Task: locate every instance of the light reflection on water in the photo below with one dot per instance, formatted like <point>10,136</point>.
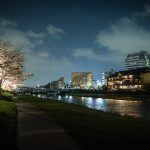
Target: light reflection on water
<point>59,97</point>
<point>123,107</point>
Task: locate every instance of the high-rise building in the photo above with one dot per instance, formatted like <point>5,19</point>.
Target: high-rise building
<point>137,60</point>
<point>103,79</point>
<point>82,80</point>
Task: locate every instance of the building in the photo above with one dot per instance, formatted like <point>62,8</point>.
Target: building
<point>61,83</point>
<point>137,60</point>
<point>103,78</point>
<point>105,75</point>
<point>82,80</point>
<point>97,84</point>
<point>133,80</point>
<point>58,84</point>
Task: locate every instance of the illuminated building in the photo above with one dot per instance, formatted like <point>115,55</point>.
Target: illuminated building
<point>103,79</point>
<point>133,80</point>
<point>83,80</point>
<point>61,83</point>
<point>58,84</point>
<point>137,60</point>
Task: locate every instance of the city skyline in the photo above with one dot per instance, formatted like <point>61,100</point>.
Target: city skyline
<point>59,37</point>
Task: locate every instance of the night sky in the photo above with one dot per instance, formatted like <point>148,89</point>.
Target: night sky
<point>62,36</point>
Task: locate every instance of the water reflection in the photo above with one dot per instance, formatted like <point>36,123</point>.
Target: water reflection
<point>100,104</point>
<point>59,97</point>
<point>70,98</point>
<point>89,102</point>
<point>123,107</point>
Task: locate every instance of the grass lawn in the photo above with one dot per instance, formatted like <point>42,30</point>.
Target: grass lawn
<point>7,125</point>
<point>95,130</point>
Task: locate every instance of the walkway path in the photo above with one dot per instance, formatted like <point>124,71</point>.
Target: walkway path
<point>36,131</point>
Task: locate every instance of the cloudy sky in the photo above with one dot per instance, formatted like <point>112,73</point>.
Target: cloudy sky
<point>61,36</point>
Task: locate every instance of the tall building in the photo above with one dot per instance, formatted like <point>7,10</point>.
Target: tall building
<point>83,80</point>
<point>137,60</point>
<point>103,79</point>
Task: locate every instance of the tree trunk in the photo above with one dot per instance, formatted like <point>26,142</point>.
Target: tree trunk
<point>1,83</point>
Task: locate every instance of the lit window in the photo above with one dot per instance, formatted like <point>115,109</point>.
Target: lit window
<point>130,76</point>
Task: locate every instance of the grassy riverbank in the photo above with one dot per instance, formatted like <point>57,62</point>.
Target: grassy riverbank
<point>7,125</point>
<point>94,129</point>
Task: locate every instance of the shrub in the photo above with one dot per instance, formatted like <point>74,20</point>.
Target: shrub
<point>5,95</point>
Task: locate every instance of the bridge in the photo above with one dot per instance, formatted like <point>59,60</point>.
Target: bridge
<point>36,91</point>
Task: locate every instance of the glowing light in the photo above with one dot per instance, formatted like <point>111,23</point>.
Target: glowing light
<point>59,97</point>
<point>83,98</point>
<point>66,96</point>
<point>70,97</point>
<point>39,95</point>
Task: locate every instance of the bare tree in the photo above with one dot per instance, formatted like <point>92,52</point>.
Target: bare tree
<point>11,64</point>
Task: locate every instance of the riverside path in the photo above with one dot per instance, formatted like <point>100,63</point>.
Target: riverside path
<point>37,131</point>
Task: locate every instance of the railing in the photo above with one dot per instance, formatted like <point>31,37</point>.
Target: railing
<point>40,91</point>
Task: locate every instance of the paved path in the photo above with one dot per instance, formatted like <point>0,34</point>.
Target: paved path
<point>36,131</point>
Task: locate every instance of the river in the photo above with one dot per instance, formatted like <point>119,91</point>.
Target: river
<point>123,107</point>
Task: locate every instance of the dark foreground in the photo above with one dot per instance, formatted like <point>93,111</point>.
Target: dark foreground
<point>8,125</point>
<point>96,130</point>
<point>88,129</point>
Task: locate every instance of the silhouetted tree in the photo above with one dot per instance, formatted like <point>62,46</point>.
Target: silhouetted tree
<point>104,87</point>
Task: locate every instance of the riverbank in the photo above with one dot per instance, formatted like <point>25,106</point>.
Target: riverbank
<point>94,129</point>
<point>113,96</point>
<point>7,125</point>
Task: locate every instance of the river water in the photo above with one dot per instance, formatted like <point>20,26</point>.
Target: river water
<point>123,107</point>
